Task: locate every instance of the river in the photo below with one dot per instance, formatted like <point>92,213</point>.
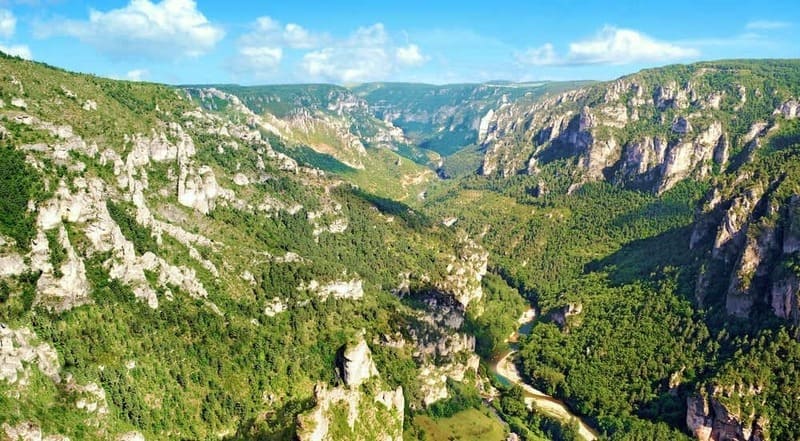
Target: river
<point>506,371</point>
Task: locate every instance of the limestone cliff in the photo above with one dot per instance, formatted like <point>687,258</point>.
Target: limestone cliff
<point>648,130</point>
<point>710,420</point>
<point>363,408</point>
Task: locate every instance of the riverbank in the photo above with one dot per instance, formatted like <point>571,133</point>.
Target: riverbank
<point>506,369</point>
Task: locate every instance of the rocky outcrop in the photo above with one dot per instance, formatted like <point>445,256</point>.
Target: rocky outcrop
<point>709,420</point>
<point>465,272</point>
<point>485,123</point>
<point>339,289</point>
<point>784,297</point>
<point>560,315</point>
<point>355,363</point>
<point>28,431</point>
<point>63,288</point>
<point>19,349</point>
<point>636,131</point>
<point>754,262</point>
<point>790,109</point>
<point>736,218</point>
<point>368,415</point>
<point>275,307</point>
<point>433,378</point>
<point>198,188</point>
<point>687,158</point>
<point>681,125</point>
<point>88,397</point>
<point>641,158</point>
<point>440,349</point>
<point>371,411</point>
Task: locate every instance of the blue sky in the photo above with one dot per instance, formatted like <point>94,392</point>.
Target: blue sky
<point>295,41</point>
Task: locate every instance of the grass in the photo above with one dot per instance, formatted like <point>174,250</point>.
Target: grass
<point>470,424</point>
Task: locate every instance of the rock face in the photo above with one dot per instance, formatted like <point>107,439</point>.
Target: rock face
<point>753,262</point>
<point>561,315</point>
<point>339,289</point>
<point>709,420</point>
<point>28,431</point>
<point>356,365</point>
<point>18,349</point>
<point>465,272</point>
<point>784,298</point>
<point>755,240</point>
<point>441,349</point>
<point>370,411</point>
<point>687,158</point>
<point>69,290</point>
<point>12,264</point>
<point>433,378</point>
<point>367,416</point>
<point>637,131</point>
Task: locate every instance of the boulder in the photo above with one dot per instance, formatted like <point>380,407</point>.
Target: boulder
<point>356,364</point>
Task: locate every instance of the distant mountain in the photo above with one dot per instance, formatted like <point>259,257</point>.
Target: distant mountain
<point>447,118</point>
<point>331,128</point>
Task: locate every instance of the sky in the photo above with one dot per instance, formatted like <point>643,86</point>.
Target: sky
<point>348,42</point>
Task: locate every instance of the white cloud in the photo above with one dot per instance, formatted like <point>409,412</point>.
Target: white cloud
<point>610,46</point>
<point>8,23</point>
<point>368,54</point>
<point>298,38</point>
<point>347,64</point>
<point>540,56</point>
<point>267,31</point>
<point>766,25</point>
<point>410,55</point>
<point>165,30</point>
<point>17,50</point>
<point>137,74</point>
<point>260,59</point>
<point>260,51</point>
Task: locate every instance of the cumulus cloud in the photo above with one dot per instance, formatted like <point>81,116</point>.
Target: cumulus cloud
<point>368,54</point>
<point>260,58</point>
<point>410,55</point>
<point>164,30</point>
<point>541,56</point>
<point>17,50</point>
<point>260,51</point>
<point>137,74</point>
<point>766,25</point>
<point>267,31</point>
<point>609,46</point>
<point>8,23</point>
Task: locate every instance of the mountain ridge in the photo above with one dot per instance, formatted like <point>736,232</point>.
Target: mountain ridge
<point>313,299</point>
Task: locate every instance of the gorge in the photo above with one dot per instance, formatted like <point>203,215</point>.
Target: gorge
<point>323,262</point>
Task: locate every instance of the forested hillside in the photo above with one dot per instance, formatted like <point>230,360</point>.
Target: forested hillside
<point>318,262</point>
<point>168,272</point>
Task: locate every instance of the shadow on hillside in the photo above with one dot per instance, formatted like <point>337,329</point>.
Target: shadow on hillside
<point>273,425</point>
<point>647,259</point>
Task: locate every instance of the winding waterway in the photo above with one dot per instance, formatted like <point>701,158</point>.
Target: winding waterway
<point>506,371</point>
